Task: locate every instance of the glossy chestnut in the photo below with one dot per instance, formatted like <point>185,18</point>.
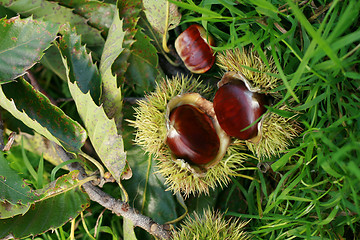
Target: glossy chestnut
<point>194,139</point>
<point>193,47</point>
<point>194,135</point>
<point>237,106</point>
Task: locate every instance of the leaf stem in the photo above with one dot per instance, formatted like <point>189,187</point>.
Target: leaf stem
<point>85,227</point>
<point>72,233</point>
<point>164,42</point>
<point>95,162</point>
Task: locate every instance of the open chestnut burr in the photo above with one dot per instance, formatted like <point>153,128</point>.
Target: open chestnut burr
<point>194,48</point>
<point>194,133</point>
<point>238,107</point>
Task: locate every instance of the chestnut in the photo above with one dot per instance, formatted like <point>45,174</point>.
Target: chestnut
<point>194,134</point>
<point>193,47</point>
<point>194,138</point>
<point>237,106</point>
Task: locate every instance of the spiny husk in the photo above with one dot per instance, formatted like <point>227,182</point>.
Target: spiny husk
<point>150,113</point>
<point>276,131</point>
<point>150,124</point>
<point>210,226</point>
<point>180,178</point>
<point>277,134</point>
<point>249,63</point>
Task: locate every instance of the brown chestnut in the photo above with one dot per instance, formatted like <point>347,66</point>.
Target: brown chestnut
<point>193,47</point>
<point>194,134</point>
<point>194,139</point>
<point>237,106</point>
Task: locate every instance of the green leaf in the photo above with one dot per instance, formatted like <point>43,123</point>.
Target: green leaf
<point>281,162</point>
<point>61,185</point>
<point>46,215</point>
<point>330,170</point>
<point>51,11</point>
<point>272,13</point>
<point>128,227</point>
<point>196,8</point>
<point>283,113</point>
<point>99,14</point>
<point>15,195</point>
<point>101,130</point>
<point>35,110</point>
<point>129,11</point>
<point>22,42</point>
<point>155,37</point>
<point>52,60</point>
<point>4,12</point>
<point>111,96</point>
<point>82,68</point>
<point>8,210</point>
<point>156,13</point>
<point>147,190</point>
<point>265,5</point>
<point>143,69</point>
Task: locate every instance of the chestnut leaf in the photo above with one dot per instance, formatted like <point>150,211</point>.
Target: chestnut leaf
<point>60,203</point>
<point>102,131</point>
<point>15,195</point>
<point>35,110</point>
<point>82,68</point>
<point>22,44</point>
<point>137,65</point>
<point>111,93</point>
<point>52,61</point>
<point>53,12</point>
<point>143,69</point>
<point>129,11</point>
<point>156,12</point>
<point>98,13</point>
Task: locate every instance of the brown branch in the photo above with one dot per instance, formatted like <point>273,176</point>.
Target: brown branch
<point>117,206</point>
<point>320,11</point>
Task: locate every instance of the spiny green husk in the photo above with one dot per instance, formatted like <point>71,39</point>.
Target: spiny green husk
<point>210,226</point>
<point>181,179</point>
<point>249,63</point>
<point>277,134</point>
<point>150,113</point>
<point>150,124</point>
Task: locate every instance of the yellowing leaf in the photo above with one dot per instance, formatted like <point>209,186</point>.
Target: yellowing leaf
<point>157,11</point>
<point>101,130</point>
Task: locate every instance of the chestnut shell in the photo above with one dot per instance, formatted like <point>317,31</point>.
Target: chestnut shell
<point>194,49</point>
<point>237,107</point>
<point>193,132</point>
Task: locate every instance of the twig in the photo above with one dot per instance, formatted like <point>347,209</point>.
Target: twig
<point>321,11</point>
<point>280,28</point>
<point>285,8</point>
<point>117,206</point>
<point>10,142</point>
<point>98,221</point>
